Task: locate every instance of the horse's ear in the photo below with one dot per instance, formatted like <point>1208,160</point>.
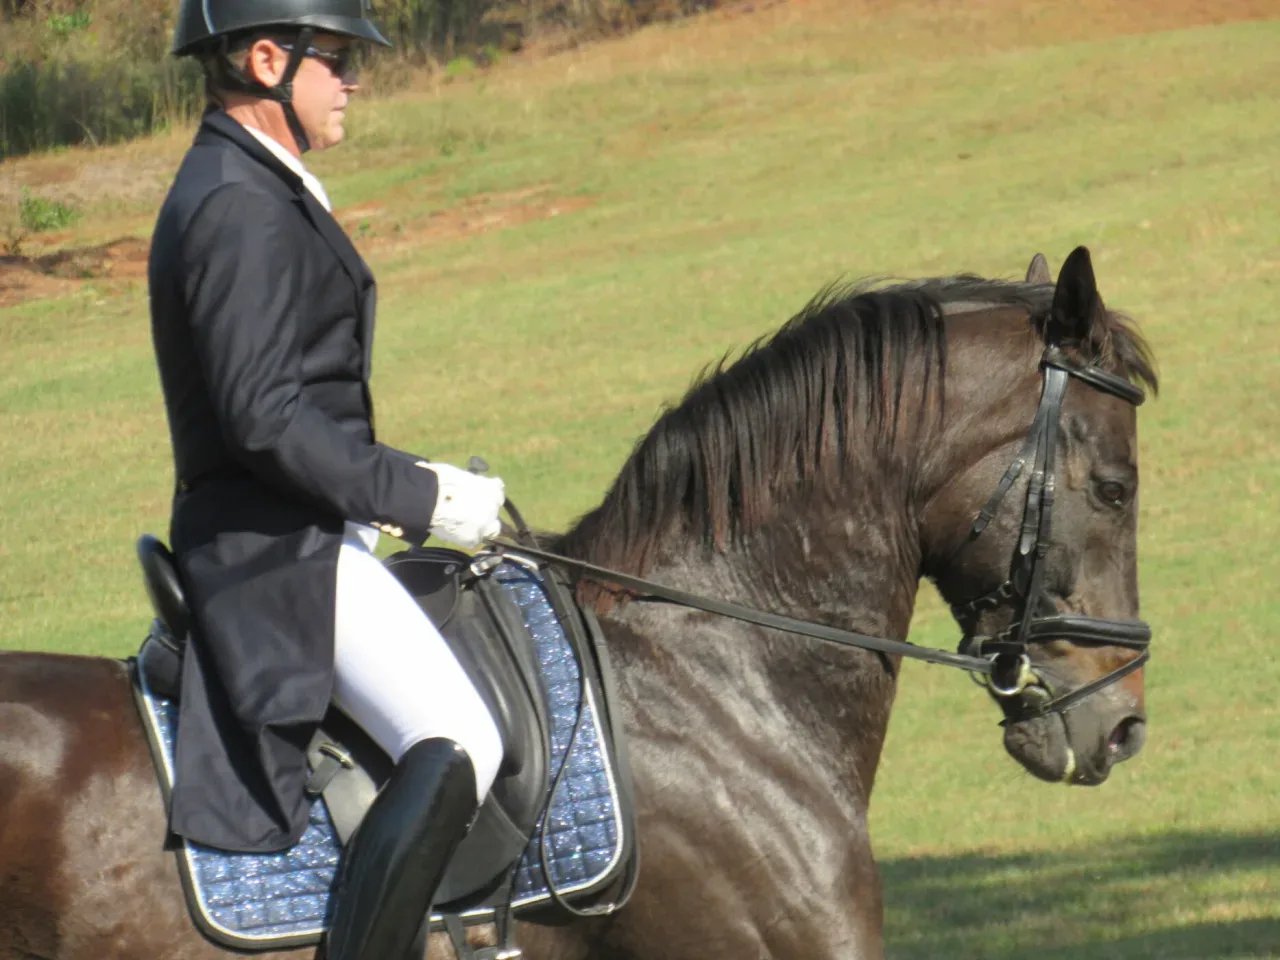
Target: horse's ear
<point>1076,303</point>
<point>1038,272</point>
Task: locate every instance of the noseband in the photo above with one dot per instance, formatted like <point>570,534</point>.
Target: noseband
<point>1009,650</point>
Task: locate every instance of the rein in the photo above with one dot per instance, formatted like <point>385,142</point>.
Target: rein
<point>650,591</point>
<point>1003,660</point>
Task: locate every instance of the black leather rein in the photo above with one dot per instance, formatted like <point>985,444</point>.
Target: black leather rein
<point>648,590</point>
<point>1003,660</point>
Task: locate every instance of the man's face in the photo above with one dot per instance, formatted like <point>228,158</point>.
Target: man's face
<point>320,94</point>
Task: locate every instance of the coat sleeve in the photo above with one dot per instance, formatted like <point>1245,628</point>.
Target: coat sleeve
<point>244,289</point>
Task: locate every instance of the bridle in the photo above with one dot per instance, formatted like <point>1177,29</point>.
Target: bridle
<point>1012,674</point>
<point>1002,660</point>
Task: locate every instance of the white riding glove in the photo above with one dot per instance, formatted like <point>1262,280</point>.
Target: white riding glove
<point>467,505</point>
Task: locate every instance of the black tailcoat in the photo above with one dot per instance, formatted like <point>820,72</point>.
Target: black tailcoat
<point>262,318</point>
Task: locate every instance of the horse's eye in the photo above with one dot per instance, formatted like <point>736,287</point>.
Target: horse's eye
<point>1113,492</point>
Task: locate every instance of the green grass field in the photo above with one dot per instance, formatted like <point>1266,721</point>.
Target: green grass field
<point>561,243</point>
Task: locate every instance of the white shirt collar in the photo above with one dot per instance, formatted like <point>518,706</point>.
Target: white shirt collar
<point>294,164</point>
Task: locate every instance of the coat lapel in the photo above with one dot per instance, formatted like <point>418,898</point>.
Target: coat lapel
<point>352,263</point>
<point>333,235</point>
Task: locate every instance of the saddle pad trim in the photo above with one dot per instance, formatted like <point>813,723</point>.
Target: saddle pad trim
<point>143,697</point>
<point>605,876</point>
<point>197,903</point>
<point>587,708</point>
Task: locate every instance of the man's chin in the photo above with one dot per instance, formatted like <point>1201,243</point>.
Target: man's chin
<point>333,135</point>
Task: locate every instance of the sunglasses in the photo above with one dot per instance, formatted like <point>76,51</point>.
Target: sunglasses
<point>339,62</point>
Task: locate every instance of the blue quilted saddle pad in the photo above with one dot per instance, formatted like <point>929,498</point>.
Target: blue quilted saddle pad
<point>263,901</point>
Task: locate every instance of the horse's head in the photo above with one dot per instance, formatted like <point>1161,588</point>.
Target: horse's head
<point>1034,537</point>
<point>837,460</point>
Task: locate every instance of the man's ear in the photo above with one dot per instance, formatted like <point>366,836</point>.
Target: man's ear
<point>265,63</point>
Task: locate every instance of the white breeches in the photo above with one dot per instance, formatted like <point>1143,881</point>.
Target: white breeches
<point>394,675</point>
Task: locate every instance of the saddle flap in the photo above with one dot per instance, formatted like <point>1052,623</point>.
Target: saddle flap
<point>486,633</point>
<point>347,769</point>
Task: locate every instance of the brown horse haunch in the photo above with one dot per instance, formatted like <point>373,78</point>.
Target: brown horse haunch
<point>821,475</point>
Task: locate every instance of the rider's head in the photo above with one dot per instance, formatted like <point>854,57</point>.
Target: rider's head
<point>292,52</point>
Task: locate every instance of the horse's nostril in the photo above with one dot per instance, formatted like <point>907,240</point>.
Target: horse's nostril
<point>1126,739</point>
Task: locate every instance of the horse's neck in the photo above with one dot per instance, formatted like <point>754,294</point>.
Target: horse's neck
<point>847,557</point>
<point>849,564</point>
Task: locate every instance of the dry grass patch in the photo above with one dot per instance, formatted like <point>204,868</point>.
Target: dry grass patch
<point>119,188</point>
<point>379,229</point>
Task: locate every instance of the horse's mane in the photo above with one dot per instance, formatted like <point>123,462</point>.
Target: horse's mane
<point>787,410</point>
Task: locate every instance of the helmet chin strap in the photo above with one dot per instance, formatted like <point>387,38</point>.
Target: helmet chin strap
<point>282,92</point>
<point>295,126</point>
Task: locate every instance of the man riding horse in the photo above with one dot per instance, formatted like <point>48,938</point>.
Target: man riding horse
<point>262,318</point>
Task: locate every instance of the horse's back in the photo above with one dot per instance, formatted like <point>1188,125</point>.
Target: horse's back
<point>83,869</point>
<point>49,703</point>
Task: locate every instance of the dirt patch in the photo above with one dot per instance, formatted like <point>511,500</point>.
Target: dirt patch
<point>20,281</point>
<point>376,230</point>
<point>60,271</point>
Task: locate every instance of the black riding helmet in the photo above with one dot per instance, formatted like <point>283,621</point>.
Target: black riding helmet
<point>201,23</point>
<point>206,28</point>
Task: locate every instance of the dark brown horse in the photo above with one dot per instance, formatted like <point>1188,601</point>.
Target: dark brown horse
<point>821,475</point>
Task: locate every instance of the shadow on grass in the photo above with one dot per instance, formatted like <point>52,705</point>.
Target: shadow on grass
<point>1180,896</point>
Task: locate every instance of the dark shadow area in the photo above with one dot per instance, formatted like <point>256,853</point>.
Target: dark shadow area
<point>1088,902</point>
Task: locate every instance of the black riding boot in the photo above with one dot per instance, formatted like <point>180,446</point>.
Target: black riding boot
<point>398,855</point>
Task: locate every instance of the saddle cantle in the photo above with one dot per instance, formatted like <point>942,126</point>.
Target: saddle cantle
<point>498,618</point>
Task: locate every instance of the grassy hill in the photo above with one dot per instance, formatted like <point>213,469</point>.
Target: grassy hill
<point>563,241</point>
